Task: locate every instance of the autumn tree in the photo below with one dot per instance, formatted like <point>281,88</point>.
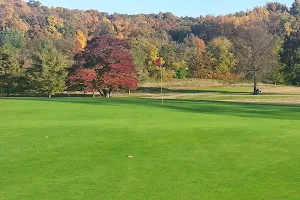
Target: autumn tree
<point>49,70</point>
<point>54,26</point>
<point>10,18</point>
<point>207,29</point>
<point>256,51</point>
<point>83,79</point>
<point>145,53</point>
<point>66,46</point>
<point>190,46</point>
<point>112,61</point>
<point>221,55</point>
<point>82,39</point>
<point>194,54</point>
<point>277,7</point>
<point>174,64</point>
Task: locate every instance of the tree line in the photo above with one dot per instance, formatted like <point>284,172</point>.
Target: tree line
<point>50,50</point>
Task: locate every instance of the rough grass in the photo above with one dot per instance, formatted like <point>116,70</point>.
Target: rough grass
<point>75,148</point>
<point>187,83</point>
<point>218,85</point>
<point>219,91</point>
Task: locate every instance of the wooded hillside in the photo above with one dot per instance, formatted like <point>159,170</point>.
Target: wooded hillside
<point>48,50</point>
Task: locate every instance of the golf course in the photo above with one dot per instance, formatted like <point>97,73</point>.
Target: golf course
<point>149,100</point>
<point>197,148</point>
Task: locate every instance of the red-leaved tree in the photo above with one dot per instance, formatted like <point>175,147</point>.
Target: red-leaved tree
<point>104,65</point>
<point>83,80</point>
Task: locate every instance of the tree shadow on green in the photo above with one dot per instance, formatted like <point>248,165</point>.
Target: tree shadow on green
<point>156,90</point>
<point>271,111</point>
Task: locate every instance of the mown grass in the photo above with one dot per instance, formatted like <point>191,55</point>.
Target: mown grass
<point>240,97</point>
<point>233,93</point>
<point>75,148</point>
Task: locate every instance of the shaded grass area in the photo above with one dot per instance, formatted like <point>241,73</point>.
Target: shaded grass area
<point>277,111</point>
<point>188,91</point>
<point>232,90</point>
<point>234,94</point>
<point>187,149</point>
<point>239,97</point>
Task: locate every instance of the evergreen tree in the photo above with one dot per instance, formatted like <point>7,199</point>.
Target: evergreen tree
<point>290,58</point>
<point>10,70</point>
<point>49,70</point>
<point>13,38</point>
<point>295,9</point>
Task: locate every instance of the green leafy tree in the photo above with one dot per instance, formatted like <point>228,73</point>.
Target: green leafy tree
<point>221,55</point>
<point>49,69</point>
<point>145,52</point>
<point>181,69</point>
<point>290,58</point>
<point>12,38</point>
<point>142,51</point>
<point>173,61</point>
<point>10,70</point>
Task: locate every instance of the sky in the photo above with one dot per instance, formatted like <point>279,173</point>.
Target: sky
<point>191,8</point>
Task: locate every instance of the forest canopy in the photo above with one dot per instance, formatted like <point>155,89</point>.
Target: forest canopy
<point>46,50</point>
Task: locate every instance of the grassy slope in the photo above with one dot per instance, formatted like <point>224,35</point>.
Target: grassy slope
<point>185,150</point>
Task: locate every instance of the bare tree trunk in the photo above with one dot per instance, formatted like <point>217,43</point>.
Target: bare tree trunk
<point>109,92</point>
<point>2,92</point>
<point>255,84</point>
<point>101,93</point>
<point>94,95</point>
<point>106,92</point>
<point>49,95</point>
<point>129,91</point>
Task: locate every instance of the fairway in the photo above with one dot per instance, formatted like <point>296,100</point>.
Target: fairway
<point>75,148</point>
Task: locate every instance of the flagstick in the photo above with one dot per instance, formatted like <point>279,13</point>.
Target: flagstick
<point>161,86</point>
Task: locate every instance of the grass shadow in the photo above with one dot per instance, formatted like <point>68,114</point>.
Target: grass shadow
<point>271,111</point>
<point>184,91</point>
<point>157,90</point>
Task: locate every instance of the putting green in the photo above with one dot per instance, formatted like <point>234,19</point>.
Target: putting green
<point>75,148</point>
